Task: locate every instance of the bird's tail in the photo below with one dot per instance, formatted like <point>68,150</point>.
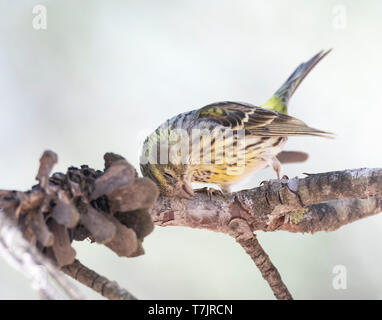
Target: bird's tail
<point>279,101</point>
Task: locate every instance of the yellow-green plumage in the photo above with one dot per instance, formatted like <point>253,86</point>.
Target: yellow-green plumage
<point>276,104</point>
<point>279,101</point>
<point>254,136</point>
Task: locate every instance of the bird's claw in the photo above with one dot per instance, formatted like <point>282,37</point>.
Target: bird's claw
<point>264,183</point>
<point>283,180</point>
<point>210,191</point>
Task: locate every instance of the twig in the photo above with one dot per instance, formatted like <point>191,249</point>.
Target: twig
<point>102,285</point>
<point>243,235</point>
<point>25,257</point>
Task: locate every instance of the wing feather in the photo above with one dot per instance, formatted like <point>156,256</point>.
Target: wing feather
<point>258,121</point>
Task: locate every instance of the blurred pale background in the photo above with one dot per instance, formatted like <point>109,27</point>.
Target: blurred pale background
<point>105,73</point>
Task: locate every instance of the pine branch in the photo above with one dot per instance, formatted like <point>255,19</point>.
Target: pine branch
<point>109,289</point>
<point>247,239</point>
<point>25,258</point>
<point>110,207</point>
<point>319,202</point>
<point>115,208</point>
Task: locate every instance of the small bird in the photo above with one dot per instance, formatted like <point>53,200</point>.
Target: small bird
<point>223,142</point>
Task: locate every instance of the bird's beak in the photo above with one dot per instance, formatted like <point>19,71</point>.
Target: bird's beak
<point>186,191</point>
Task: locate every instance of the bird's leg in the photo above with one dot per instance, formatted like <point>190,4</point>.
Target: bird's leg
<point>276,165</point>
<point>225,189</point>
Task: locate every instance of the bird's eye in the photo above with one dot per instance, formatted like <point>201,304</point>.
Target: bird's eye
<point>168,175</point>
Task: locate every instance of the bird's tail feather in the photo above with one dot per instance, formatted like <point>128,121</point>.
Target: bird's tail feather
<point>279,101</point>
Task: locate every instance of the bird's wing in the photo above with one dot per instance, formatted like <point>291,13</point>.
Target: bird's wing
<point>255,120</point>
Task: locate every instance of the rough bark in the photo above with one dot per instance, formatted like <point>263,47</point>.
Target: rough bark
<point>25,257</point>
<point>319,202</point>
<point>109,207</point>
<point>116,208</point>
<point>109,289</point>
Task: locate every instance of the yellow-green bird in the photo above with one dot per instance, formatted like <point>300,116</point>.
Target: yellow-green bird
<point>224,142</point>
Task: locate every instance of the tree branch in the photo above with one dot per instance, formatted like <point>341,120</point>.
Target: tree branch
<point>24,257</point>
<point>115,208</point>
<point>245,237</point>
<point>105,287</point>
<point>37,227</point>
<point>319,202</point>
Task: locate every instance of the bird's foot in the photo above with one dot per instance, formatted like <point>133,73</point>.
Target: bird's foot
<point>268,182</point>
<point>283,180</point>
<point>285,177</point>
<point>309,174</point>
<point>210,191</point>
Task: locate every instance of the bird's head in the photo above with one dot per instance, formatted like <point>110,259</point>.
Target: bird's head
<point>164,163</point>
<point>171,179</point>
